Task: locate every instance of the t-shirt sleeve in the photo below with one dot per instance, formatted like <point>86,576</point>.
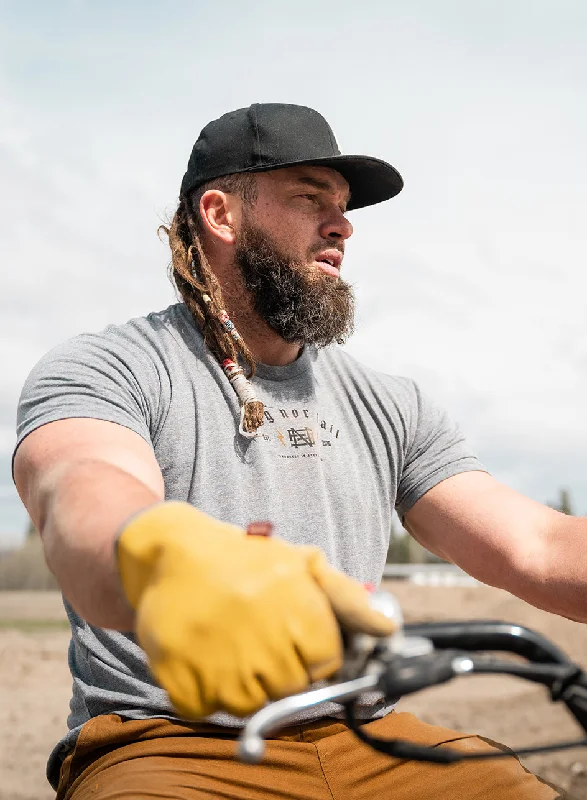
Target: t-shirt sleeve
<point>435,449</point>
<point>96,377</point>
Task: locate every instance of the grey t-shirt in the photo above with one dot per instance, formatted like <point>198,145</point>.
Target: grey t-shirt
<point>341,446</point>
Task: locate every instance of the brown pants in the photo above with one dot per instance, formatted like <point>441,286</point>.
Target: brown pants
<point>159,760</point>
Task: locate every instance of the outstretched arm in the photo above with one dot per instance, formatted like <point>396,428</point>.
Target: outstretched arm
<point>506,540</point>
<point>226,620</point>
<point>81,480</point>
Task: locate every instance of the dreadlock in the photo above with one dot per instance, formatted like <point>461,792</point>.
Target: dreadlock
<point>201,292</point>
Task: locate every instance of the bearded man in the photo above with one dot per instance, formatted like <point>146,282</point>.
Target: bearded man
<point>145,451</point>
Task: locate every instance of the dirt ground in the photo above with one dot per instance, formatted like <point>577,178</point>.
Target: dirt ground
<point>35,685</point>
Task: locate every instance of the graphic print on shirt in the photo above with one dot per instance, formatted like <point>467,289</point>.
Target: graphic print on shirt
<point>298,432</point>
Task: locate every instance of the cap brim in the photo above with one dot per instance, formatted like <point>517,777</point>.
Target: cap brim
<point>370,179</point>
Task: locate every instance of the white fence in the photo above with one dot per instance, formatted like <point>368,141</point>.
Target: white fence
<point>429,574</point>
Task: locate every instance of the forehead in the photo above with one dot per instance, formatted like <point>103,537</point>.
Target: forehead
<point>320,177</point>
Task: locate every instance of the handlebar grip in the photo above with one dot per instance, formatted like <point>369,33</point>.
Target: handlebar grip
<point>407,675</point>
<point>490,635</point>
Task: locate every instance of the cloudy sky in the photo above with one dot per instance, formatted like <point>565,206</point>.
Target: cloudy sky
<point>472,280</point>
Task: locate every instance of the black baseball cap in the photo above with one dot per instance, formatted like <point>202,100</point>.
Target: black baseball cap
<point>268,136</point>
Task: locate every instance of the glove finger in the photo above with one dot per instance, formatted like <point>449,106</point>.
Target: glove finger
<point>181,683</point>
<point>349,599</point>
<point>324,669</point>
<point>314,631</point>
<point>283,673</point>
<point>241,694</point>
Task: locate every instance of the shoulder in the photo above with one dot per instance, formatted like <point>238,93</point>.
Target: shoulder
<point>139,341</point>
<point>394,399</point>
<point>133,356</point>
<point>120,374</point>
<point>360,377</point>
<point>146,332</point>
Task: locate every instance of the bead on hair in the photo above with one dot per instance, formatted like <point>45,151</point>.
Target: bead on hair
<point>229,325</point>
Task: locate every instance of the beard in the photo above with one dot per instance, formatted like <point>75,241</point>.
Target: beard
<point>299,303</point>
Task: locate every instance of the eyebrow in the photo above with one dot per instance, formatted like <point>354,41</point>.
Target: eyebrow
<point>322,185</point>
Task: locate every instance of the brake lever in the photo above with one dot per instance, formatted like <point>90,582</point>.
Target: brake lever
<point>360,648</point>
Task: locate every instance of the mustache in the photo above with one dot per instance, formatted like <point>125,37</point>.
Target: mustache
<point>327,246</point>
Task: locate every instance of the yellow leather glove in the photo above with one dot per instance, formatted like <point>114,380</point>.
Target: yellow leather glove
<point>229,621</point>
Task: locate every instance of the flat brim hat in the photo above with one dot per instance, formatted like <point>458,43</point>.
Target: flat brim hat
<point>268,136</point>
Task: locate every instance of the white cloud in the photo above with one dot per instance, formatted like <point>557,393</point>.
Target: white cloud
<point>472,280</point>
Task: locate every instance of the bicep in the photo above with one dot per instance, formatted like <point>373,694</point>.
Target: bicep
<point>58,446</point>
<point>491,531</point>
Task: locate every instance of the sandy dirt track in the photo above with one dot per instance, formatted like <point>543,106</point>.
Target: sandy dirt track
<point>35,686</point>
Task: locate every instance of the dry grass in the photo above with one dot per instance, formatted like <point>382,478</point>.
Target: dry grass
<point>25,569</point>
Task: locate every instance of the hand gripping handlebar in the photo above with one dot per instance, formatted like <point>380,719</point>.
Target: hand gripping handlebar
<point>422,655</point>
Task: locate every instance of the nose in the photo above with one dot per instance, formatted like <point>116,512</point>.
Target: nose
<point>336,227</point>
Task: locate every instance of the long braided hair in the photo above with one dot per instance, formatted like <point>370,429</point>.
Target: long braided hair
<point>200,290</point>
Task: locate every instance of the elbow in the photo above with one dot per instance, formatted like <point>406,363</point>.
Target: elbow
<point>37,489</point>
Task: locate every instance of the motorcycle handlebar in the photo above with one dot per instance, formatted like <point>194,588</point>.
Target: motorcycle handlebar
<point>491,635</point>
<point>422,655</point>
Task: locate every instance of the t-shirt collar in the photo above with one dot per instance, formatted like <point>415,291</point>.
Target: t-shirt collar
<point>302,364</point>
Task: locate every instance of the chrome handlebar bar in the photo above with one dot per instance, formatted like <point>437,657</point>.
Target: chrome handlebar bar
<point>277,714</point>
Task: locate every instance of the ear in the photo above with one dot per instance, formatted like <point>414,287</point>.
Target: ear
<point>218,214</point>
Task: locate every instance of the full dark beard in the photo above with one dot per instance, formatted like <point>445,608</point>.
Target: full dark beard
<point>301,304</point>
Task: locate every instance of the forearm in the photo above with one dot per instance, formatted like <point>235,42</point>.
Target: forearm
<point>559,581</point>
<point>549,570</point>
<point>81,512</point>
<point>506,540</point>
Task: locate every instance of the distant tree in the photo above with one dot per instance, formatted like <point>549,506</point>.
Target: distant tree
<point>418,554</point>
<point>564,502</point>
<point>404,549</point>
<point>398,551</point>
<point>31,531</point>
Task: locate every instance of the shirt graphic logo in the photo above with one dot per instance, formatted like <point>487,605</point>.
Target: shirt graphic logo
<point>301,437</point>
<point>315,432</point>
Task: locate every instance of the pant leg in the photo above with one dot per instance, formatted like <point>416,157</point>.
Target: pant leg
<point>160,760</point>
<point>354,770</point>
<point>156,759</point>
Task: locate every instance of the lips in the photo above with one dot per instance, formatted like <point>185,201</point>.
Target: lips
<point>329,261</point>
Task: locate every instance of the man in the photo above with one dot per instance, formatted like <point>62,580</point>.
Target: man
<point>145,451</point>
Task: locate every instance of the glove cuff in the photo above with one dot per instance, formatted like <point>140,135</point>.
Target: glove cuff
<point>141,542</point>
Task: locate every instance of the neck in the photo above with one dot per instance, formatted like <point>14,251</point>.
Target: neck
<point>266,346</point>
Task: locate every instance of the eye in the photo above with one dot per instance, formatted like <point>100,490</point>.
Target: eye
<point>312,197</point>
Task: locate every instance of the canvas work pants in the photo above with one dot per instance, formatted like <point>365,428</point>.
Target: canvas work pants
<point>157,759</point>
